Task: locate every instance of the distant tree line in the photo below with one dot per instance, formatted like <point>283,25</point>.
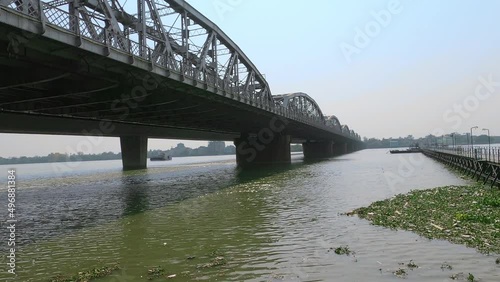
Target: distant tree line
<point>214,148</point>
<point>58,157</point>
<point>430,140</point>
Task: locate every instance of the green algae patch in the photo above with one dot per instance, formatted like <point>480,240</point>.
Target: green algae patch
<point>468,215</point>
<point>89,275</point>
<point>343,250</point>
<point>155,272</point>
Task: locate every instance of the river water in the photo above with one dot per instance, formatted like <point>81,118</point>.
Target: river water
<point>272,224</point>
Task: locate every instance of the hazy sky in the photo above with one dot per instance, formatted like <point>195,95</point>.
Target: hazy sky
<point>385,68</point>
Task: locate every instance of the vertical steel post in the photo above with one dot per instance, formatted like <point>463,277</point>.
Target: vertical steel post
<point>141,28</point>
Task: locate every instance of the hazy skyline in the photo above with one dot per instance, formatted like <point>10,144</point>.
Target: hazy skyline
<point>413,68</point>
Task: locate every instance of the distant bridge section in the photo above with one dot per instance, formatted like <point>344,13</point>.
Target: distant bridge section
<point>162,70</point>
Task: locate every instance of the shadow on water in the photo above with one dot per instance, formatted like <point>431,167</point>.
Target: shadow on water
<point>140,194</point>
<point>253,173</point>
<point>135,198</point>
<point>52,208</point>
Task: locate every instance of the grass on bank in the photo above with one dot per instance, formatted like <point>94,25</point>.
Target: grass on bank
<point>468,215</point>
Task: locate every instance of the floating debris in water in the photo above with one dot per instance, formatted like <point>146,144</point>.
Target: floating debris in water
<point>89,275</point>
<point>446,266</point>
<point>155,272</point>
<point>461,276</point>
<point>458,276</point>
<point>401,273</point>
<point>343,250</point>
<point>411,265</point>
<point>217,261</point>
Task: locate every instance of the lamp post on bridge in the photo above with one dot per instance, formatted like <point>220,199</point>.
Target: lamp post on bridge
<point>472,139</point>
<point>452,135</point>
<point>489,143</point>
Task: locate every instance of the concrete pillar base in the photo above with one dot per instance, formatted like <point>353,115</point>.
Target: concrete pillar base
<point>318,150</point>
<point>251,151</point>
<point>340,149</point>
<point>134,152</point>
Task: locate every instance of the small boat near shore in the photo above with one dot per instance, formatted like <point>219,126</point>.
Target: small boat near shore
<point>161,157</point>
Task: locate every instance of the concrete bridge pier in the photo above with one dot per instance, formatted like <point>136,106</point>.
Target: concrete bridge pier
<point>351,147</point>
<point>134,152</point>
<point>340,148</point>
<point>318,150</point>
<point>253,151</point>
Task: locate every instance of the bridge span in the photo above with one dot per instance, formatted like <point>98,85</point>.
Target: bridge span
<point>155,69</point>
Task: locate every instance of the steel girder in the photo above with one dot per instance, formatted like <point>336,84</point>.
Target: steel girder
<point>334,122</point>
<point>301,102</point>
<point>172,35</point>
<point>304,104</point>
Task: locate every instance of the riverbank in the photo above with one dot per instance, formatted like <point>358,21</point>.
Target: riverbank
<point>468,215</point>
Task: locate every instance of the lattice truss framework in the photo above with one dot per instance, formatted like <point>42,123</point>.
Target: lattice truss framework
<point>172,35</point>
<point>162,31</point>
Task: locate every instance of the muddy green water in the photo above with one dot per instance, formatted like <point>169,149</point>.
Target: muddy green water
<point>274,224</point>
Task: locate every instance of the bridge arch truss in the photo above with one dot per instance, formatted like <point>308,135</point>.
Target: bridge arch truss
<point>174,39</point>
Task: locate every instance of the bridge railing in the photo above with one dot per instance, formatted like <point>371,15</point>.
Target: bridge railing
<point>97,31</point>
<point>490,154</point>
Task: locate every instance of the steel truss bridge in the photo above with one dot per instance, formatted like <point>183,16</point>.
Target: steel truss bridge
<point>157,68</point>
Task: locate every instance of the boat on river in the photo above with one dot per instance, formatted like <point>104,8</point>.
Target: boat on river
<point>161,157</point>
<point>407,151</point>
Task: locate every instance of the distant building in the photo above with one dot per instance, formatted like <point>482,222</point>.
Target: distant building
<point>216,147</point>
<point>394,143</point>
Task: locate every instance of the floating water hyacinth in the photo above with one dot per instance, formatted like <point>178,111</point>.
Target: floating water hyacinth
<point>468,215</point>
<point>89,275</point>
<point>155,272</point>
<point>343,250</point>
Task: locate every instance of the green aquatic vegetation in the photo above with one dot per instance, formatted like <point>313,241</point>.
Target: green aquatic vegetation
<point>400,273</point>
<point>216,253</point>
<point>461,214</point>
<point>85,276</point>
<point>155,272</point>
<point>343,250</point>
<point>458,276</point>
<point>492,202</point>
<point>411,265</point>
<point>446,266</point>
<point>471,278</point>
<point>217,261</point>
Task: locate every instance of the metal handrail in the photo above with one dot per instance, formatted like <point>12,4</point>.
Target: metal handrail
<point>490,154</point>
